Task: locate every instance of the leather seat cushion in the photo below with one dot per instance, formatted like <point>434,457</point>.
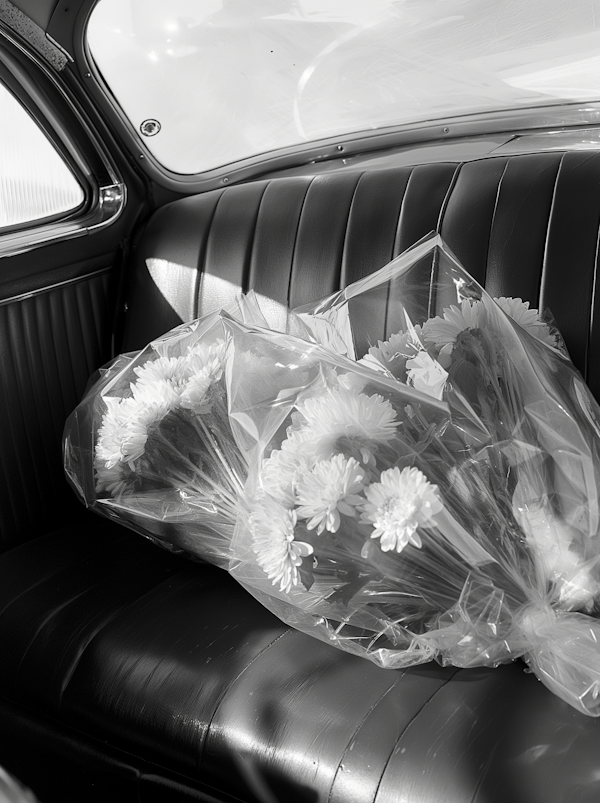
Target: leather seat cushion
<point>184,678</point>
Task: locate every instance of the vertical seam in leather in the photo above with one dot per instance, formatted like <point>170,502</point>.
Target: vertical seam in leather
<point>234,680</point>
<point>298,223</point>
<point>498,188</point>
<point>446,200</point>
<point>345,238</point>
<point>397,235</point>
<point>408,725</point>
<point>250,250</point>
<point>588,348</point>
<point>360,725</point>
<point>202,258</point>
<point>543,277</point>
<point>250,245</point>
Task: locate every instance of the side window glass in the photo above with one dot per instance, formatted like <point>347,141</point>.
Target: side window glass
<point>35,182</point>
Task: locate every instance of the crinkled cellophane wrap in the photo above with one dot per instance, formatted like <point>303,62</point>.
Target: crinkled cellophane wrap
<point>415,477</point>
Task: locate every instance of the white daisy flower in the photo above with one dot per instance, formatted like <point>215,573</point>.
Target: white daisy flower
<point>443,330</point>
<point>340,420</point>
<point>528,319</point>
<point>332,487</point>
<point>397,505</point>
<point>278,554</point>
<point>427,375</point>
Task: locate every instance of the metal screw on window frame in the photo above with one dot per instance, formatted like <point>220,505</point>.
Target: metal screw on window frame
<point>150,127</point>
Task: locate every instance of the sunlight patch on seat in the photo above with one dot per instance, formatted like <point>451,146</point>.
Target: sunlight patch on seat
<point>176,283</point>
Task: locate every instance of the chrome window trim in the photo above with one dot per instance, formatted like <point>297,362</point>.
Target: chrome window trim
<point>107,200</point>
<point>583,139</point>
<point>111,202</point>
<point>48,289</point>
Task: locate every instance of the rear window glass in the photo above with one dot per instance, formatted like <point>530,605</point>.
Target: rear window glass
<point>209,82</point>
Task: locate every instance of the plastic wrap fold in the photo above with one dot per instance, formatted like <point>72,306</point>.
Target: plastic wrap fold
<point>413,477</point>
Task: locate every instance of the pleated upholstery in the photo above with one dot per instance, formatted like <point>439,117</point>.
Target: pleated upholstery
<point>520,225</point>
<point>132,669</point>
<point>293,240</point>
<point>50,343</point>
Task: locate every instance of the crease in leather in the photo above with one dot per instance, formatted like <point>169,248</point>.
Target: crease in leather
<point>223,694</point>
<point>413,719</point>
<point>351,741</point>
<point>296,233</point>
<point>197,291</point>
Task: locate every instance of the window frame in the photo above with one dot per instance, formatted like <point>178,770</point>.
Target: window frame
<point>335,150</point>
<point>46,101</point>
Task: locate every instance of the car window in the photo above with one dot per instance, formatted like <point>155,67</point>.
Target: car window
<point>206,83</point>
<point>35,182</point>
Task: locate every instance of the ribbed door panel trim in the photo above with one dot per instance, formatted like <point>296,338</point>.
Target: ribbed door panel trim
<point>50,343</point>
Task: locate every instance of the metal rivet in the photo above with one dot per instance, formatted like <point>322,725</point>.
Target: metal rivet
<point>340,147</point>
<point>446,130</point>
<point>225,180</point>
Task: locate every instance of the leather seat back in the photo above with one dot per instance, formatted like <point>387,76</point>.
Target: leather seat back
<point>524,226</point>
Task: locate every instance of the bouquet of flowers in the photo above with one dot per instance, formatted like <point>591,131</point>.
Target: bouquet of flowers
<point>150,443</point>
<point>445,336</point>
<point>361,494</point>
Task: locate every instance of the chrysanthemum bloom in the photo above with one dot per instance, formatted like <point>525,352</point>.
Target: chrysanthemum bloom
<point>210,357</point>
<point>528,319</point>
<point>110,479</point>
<point>166,373</point>
<point>278,554</point>
<point>342,421</point>
<point>400,344</point>
<point>195,393</point>
<point>280,472</point>
<point>397,505</point>
<point>119,434</point>
<point>124,431</point>
<point>332,487</point>
<point>441,331</point>
<point>392,354</point>
<point>427,375</point>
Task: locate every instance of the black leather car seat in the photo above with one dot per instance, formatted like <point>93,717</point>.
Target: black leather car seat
<point>133,673</point>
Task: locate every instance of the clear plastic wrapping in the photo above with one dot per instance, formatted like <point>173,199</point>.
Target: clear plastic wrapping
<point>422,483</point>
